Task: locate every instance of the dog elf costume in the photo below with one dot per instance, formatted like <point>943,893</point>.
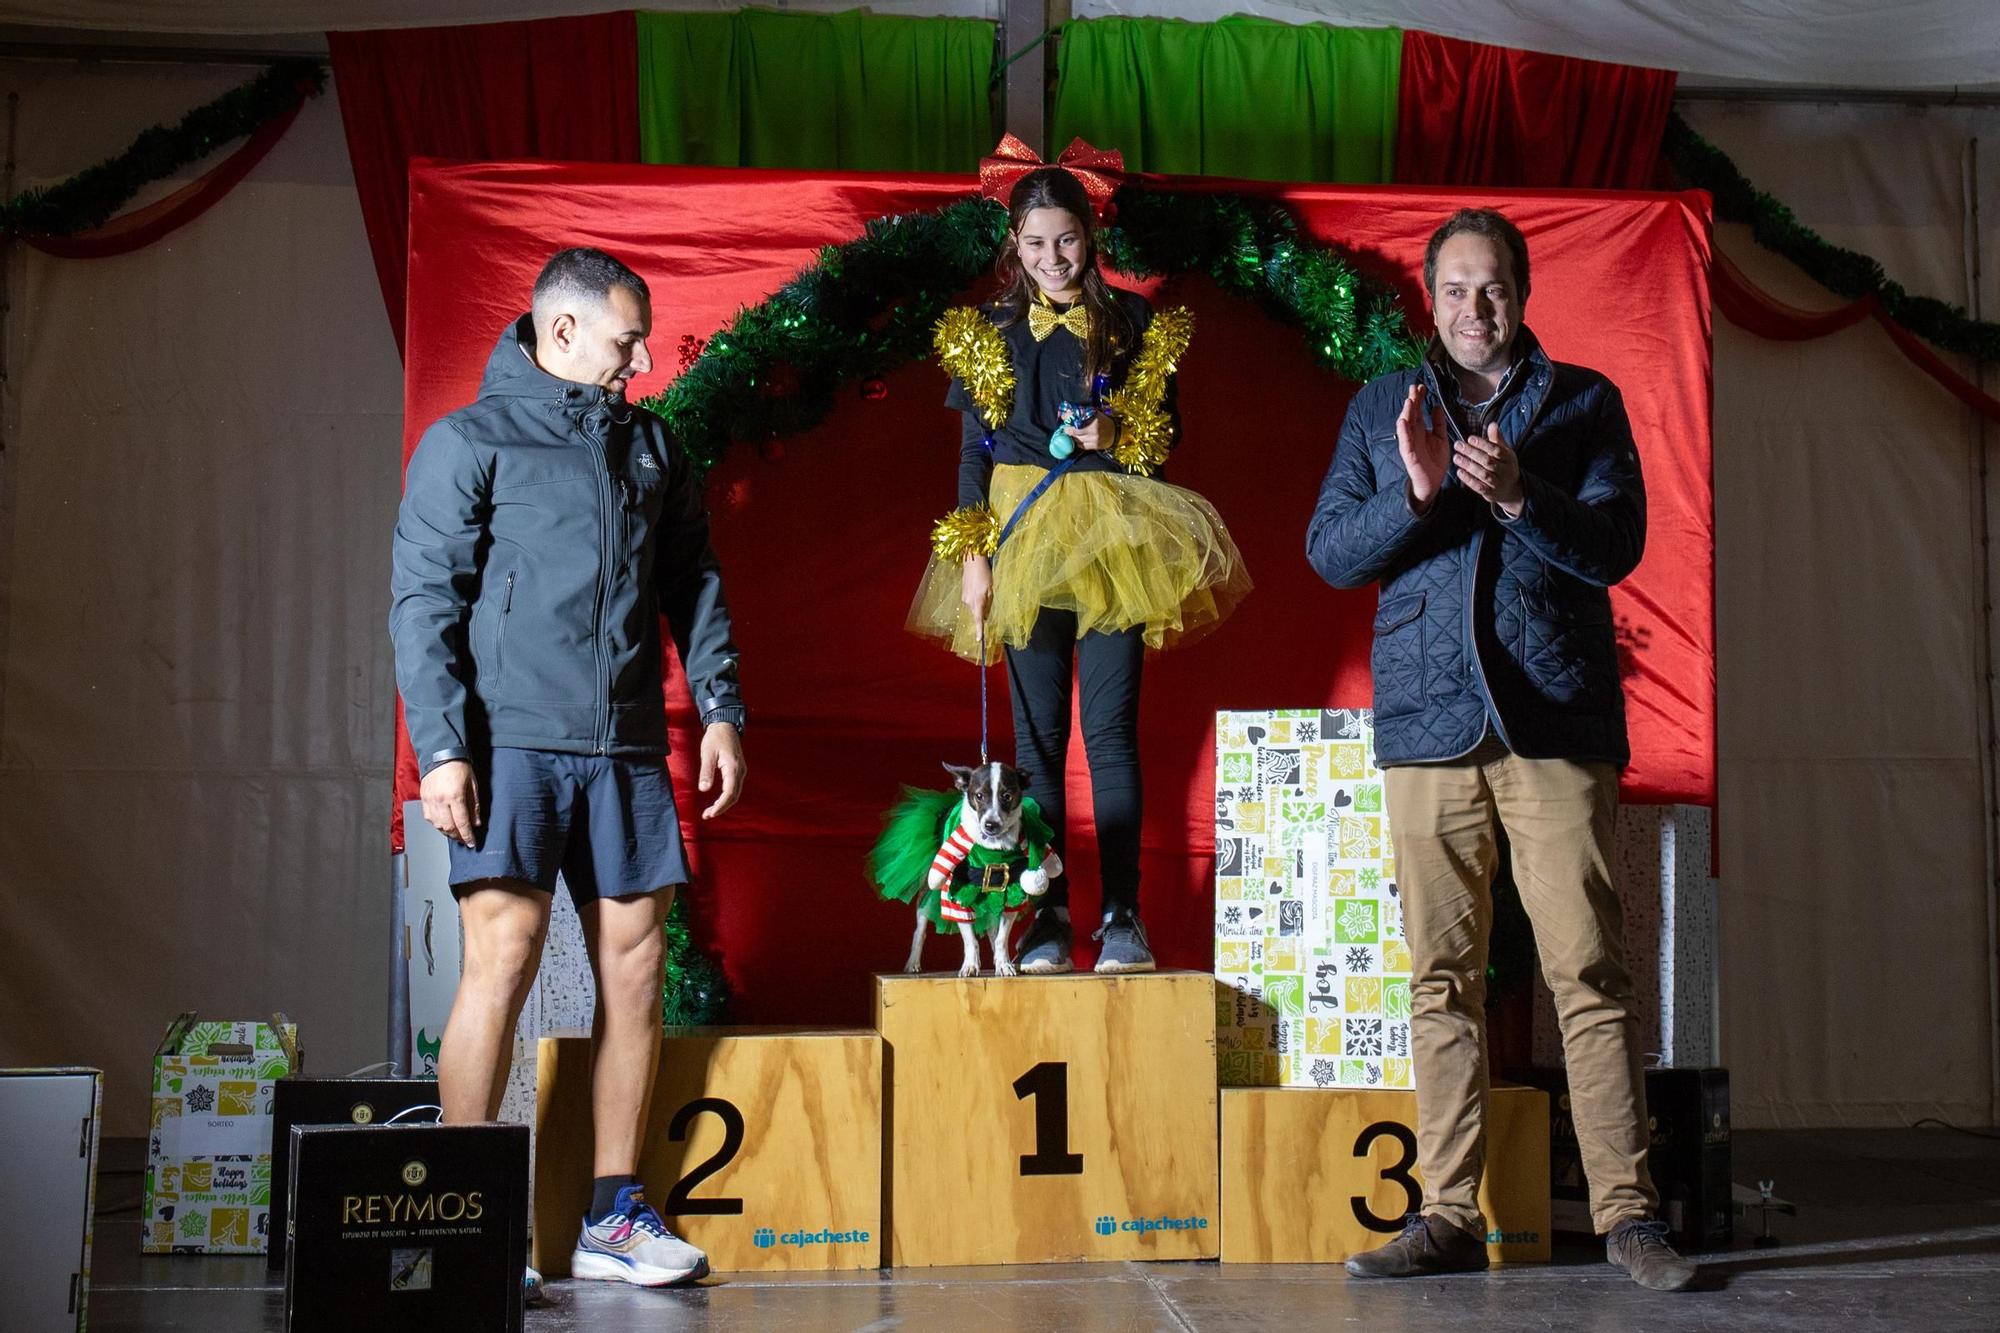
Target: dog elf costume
<point>1095,559</point>
<point>924,856</point>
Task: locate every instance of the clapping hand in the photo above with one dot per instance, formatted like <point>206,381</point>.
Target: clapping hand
<point>1491,470</point>
<point>1425,448</point>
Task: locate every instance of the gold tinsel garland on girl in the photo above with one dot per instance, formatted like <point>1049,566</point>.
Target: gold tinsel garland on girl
<point>1145,430</point>
<point>975,353</point>
<point>973,530</point>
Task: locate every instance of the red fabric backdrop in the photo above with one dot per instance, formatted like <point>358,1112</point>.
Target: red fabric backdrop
<point>823,537</point>
<point>1473,114</point>
<point>558,88</point>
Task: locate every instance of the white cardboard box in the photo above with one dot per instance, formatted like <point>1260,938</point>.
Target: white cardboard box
<point>49,1155</point>
<point>1661,870</point>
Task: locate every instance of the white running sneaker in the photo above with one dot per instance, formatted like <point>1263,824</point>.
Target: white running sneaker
<point>631,1244</point>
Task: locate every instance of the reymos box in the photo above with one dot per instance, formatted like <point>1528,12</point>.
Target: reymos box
<point>1688,1111</point>
<point>332,1101</point>
<point>407,1227</point>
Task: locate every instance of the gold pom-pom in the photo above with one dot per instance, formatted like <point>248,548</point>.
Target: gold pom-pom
<point>1145,382</point>
<point>976,355</point>
<point>1166,340</point>
<point>1145,431</point>
<point>973,530</point>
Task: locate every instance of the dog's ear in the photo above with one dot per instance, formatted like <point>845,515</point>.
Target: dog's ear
<point>1024,777</point>
<point>961,776</point>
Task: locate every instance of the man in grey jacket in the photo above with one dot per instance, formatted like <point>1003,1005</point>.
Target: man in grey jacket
<point>544,531</point>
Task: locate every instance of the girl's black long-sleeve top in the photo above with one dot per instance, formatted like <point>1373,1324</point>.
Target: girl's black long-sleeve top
<point>1046,375</point>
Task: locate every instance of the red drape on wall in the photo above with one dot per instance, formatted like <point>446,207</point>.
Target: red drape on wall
<point>142,226</point>
<point>823,537</point>
<point>1473,114</point>
<point>562,88</point>
<point>1750,307</point>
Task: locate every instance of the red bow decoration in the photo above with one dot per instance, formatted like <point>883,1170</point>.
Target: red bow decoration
<point>1099,170</point>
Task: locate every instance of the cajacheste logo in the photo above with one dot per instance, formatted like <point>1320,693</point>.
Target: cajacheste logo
<point>766,1237</point>
<point>1513,1238</point>
<point>1108,1225</point>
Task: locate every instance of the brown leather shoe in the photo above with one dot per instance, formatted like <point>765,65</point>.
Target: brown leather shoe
<point>1428,1245</point>
<point>1639,1246</point>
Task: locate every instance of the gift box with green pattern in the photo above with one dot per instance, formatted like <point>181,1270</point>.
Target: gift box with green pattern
<point>1308,924</point>
<point>208,1158</point>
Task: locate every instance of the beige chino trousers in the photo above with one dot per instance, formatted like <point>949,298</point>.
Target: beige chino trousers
<point>1559,817</point>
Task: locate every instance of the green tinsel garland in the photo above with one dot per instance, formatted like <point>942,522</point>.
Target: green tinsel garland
<point>1354,327</point>
<point>1847,273</point>
<point>695,993</point>
<point>90,198</point>
<point>867,306</point>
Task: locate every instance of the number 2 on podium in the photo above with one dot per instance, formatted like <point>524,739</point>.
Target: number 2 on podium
<point>1048,1084</point>
<point>681,1201</point>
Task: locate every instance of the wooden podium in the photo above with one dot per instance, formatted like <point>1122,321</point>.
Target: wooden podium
<point>1313,1175</point>
<point>1050,1119</point>
<point>763,1147</point>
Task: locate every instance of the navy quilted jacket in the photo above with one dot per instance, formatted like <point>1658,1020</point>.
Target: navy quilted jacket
<point>1477,611</point>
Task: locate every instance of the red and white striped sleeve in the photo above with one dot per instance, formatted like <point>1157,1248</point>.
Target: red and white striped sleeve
<point>950,857</point>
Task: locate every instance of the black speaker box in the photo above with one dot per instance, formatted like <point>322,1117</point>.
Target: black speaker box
<point>1689,1157</point>
<point>413,1228</point>
<point>330,1101</point>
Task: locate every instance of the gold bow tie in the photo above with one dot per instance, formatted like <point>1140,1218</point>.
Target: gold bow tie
<point>1044,320</point>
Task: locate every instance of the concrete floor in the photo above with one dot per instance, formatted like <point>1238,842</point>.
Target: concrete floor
<point>1896,1230</point>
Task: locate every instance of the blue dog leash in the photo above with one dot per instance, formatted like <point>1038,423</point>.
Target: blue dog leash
<point>1041,489</point>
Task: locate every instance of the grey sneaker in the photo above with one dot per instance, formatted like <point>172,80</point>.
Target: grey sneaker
<point>1640,1248</point>
<point>1122,943</point>
<point>1428,1245</point>
<point>631,1244</point>
<point>1045,948</point>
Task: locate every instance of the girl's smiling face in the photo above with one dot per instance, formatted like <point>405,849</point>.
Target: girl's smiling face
<point>1053,247</point>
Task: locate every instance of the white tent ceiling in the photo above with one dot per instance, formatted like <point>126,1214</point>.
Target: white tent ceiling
<point>1833,43</point>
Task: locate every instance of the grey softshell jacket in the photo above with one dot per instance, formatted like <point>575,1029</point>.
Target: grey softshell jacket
<point>544,530</point>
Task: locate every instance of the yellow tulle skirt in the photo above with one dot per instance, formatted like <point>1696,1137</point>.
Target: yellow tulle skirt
<point>1117,550</point>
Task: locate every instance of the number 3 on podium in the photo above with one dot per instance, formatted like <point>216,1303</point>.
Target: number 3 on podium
<point>1048,1084</point>
<point>1397,1173</point>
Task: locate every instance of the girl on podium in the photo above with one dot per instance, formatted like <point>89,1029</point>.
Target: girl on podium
<point>1068,555</point>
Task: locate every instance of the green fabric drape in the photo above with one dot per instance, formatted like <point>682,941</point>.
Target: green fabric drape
<point>852,91</point>
<point>1244,97</point>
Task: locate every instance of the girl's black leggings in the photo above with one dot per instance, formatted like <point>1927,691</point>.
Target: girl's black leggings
<point>1106,667</point>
